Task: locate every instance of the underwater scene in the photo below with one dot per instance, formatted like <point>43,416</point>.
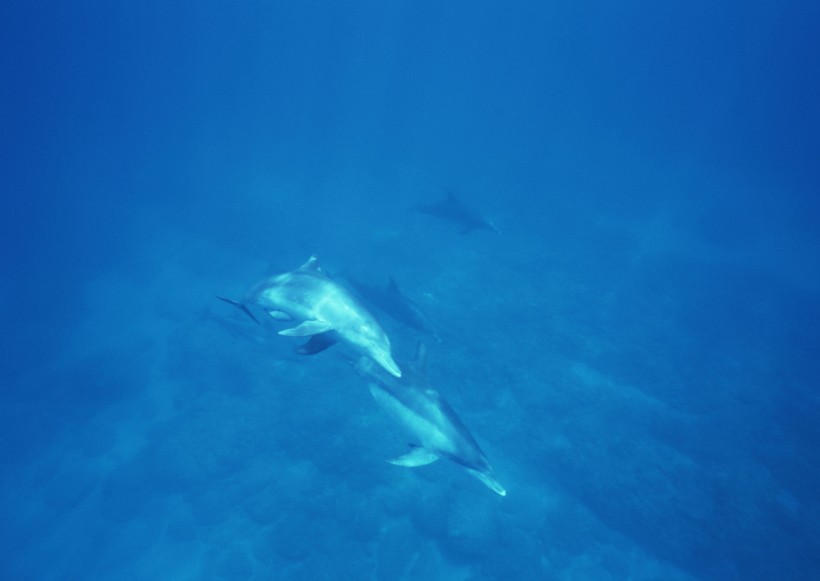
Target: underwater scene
<point>410,290</point>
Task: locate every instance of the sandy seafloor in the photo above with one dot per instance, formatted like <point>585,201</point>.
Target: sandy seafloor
<point>643,398</point>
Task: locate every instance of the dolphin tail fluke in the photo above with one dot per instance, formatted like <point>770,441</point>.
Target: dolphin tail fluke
<point>241,306</point>
<point>417,456</point>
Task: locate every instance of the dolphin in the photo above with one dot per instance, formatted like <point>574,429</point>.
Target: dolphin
<point>327,312</point>
<point>392,302</point>
<point>434,428</point>
<point>452,210</point>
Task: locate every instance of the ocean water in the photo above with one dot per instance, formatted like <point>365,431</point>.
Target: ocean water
<point>637,351</point>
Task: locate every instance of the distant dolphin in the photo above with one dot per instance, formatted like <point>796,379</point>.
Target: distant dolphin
<point>327,310</point>
<point>392,302</point>
<point>434,428</point>
<point>452,210</point>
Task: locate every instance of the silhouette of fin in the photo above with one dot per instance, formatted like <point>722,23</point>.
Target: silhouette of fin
<point>392,286</point>
<point>243,307</point>
<point>317,344</point>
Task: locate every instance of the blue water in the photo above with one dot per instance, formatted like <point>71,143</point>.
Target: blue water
<point>636,352</point>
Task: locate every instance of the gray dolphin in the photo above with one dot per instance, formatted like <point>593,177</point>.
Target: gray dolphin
<point>434,428</point>
<point>327,312</point>
<point>452,210</point>
<point>391,301</point>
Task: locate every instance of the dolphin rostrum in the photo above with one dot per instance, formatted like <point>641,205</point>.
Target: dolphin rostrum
<point>392,302</point>
<point>452,210</point>
<point>327,312</point>
<point>434,428</point>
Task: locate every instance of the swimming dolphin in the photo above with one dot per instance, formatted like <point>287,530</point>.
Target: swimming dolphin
<point>392,302</point>
<point>452,210</point>
<point>327,310</point>
<point>434,428</point>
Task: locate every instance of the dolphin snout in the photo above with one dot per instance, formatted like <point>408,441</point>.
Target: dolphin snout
<point>389,365</point>
<point>489,482</point>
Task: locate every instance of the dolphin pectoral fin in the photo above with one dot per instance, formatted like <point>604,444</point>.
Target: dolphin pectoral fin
<point>280,315</point>
<point>243,307</point>
<point>317,344</point>
<point>418,456</point>
<point>312,327</point>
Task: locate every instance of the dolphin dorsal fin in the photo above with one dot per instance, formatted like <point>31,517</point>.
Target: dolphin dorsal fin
<point>312,265</point>
<point>421,358</point>
<point>392,286</point>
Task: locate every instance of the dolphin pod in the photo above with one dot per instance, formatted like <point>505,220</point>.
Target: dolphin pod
<point>327,312</point>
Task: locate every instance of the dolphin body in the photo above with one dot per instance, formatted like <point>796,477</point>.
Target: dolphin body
<point>392,302</point>
<point>452,210</point>
<point>434,428</point>
<point>327,310</point>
